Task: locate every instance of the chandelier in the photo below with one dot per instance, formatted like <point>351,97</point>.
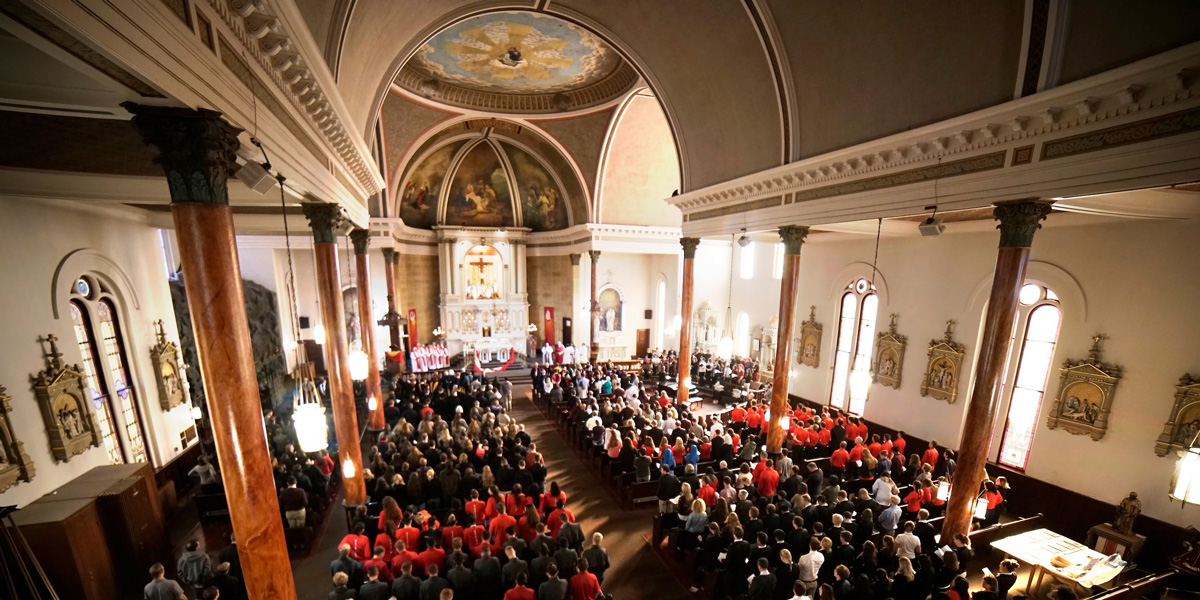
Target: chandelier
<point>1185,484</point>
<point>308,417</point>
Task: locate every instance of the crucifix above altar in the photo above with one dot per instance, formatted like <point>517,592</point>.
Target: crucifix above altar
<point>484,302</point>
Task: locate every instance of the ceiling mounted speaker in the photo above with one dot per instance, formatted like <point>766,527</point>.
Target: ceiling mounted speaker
<point>256,177</point>
<point>931,227</point>
<point>743,241</point>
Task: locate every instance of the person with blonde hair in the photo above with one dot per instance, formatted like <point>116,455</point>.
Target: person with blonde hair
<point>340,589</point>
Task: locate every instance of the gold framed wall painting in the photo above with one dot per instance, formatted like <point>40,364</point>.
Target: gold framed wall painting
<point>944,368</point>
<point>15,464</point>
<point>1085,394</point>
<point>60,393</point>
<point>168,373</point>
<point>809,349</point>
<point>889,356</point>
<point>1184,424</point>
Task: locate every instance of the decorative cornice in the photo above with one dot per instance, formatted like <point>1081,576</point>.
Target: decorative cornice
<point>689,246</point>
<point>266,39</point>
<point>1019,220</point>
<point>793,238</point>
<point>324,219</point>
<point>361,239</point>
<point>196,148</point>
<point>982,139</point>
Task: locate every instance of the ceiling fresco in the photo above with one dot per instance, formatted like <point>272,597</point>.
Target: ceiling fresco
<point>516,53</point>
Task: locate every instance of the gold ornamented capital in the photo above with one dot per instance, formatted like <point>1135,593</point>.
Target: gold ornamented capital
<point>594,255</point>
<point>196,148</point>
<point>324,219</point>
<point>389,256</point>
<point>689,246</point>
<point>575,259</point>
<point>361,238</point>
<point>793,237</point>
<point>1019,220</point>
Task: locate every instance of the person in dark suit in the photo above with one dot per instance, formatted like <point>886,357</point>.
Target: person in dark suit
<point>406,586</point>
<point>554,588</point>
<point>842,588</point>
<point>373,588</point>
<point>487,573</point>
<point>461,579</point>
<point>762,587</point>
<point>431,589</point>
<point>1006,578</point>
<point>815,480</point>
<point>737,563</point>
<point>989,591</point>
<point>925,532</point>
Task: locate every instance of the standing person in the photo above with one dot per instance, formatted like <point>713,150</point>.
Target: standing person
<point>161,588</point>
<point>890,517</point>
<point>293,501</point>
<point>204,471</point>
<point>668,489</point>
<point>194,568</point>
<point>597,557</point>
<point>583,585</point>
<point>762,587</point>
<point>341,589</point>
<point>555,587</point>
<point>908,545</point>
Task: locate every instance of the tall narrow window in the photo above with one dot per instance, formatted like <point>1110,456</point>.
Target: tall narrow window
<point>660,313</point>
<point>777,263</point>
<point>855,343</point>
<point>114,354</point>
<point>743,335</point>
<point>95,385</point>
<point>1038,323</point>
<point>747,267</point>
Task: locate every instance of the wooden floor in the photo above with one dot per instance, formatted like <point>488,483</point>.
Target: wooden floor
<point>637,571</point>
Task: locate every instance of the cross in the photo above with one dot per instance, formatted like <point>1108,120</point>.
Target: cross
<point>949,328</point>
<point>54,357</point>
<point>162,334</point>
<point>480,264</point>
<point>1094,353</point>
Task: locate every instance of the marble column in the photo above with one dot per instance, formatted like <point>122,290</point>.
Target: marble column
<point>196,149</point>
<point>1019,220</point>
<point>685,321</point>
<point>576,297</point>
<point>362,282</point>
<point>793,239</point>
<point>325,220</point>
<point>392,318</point>
<point>594,321</point>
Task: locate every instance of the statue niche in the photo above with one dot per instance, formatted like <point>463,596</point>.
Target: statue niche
<point>484,270</point>
<point>609,310</point>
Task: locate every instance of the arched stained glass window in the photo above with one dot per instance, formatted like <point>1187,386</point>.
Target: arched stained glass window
<point>115,356</point>
<point>95,385</point>
<point>855,343</point>
<point>1039,318</point>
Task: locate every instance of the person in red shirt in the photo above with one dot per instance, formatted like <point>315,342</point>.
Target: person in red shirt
<point>735,440</point>
<point>913,501</point>
<point>824,437</point>
<point>360,545</point>
<point>768,479</point>
<point>753,418</point>
<point>550,499</point>
<point>515,501</point>
<point>520,592</point>
<point>527,524</point>
<point>476,507</point>
<point>857,451</point>
<point>900,443</point>
<point>583,585</point>
<point>875,447</point>
<point>887,442</point>
<point>402,555</point>
<point>554,522</point>
<point>391,512</point>
<point>494,502</point>
<point>451,530</point>
<point>473,533</point>
<point>386,539</point>
<point>500,524</point>
<point>737,415</point>
<point>706,450</point>
<point>838,460</point>
<point>930,457</point>
<point>533,457</point>
<point>385,571</point>
<point>324,463</point>
<point>708,491</point>
<point>433,555</point>
<point>409,533</point>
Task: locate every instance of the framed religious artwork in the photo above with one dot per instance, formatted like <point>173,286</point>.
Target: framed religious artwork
<point>809,348</point>
<point>1183,426</point>
<point>889,356</point>
<point>15,464</point>
<point>59,390</point>
<point>944,367</point>
<point>1085,394</point>
<point>167,370</point>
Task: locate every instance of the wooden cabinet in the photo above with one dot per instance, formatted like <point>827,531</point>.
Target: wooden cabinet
<point>68,540</point>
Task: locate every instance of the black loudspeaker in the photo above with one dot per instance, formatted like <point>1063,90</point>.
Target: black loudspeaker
<point>649,314</point>
<point>303,322</point>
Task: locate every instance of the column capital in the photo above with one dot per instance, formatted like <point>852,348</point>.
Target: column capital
<point>325,218</point>
<point>793,237</point>
<point>389,256</point>
<point>1019,220</point>
<point>689,246</point>
<point>196,148</point>
<point>361,238</point>
<point>594,255</point>
<point>575,259</point>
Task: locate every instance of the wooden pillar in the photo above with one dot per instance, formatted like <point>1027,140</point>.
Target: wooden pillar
<point>594,321</point>
<point>392,318</point>
<point>793,239</point>
<point>685,321</point>
<point>1019,220</point>
<point>325,219</point>
<point>362,282</point>
<point>196,149</point>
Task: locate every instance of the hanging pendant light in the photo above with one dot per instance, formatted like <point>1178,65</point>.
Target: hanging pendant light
<point>348,469</point>
<point>359,364</point>
<point>197,414</point>
<point>372,403</point>
<point>308,417</point>
<point>1185,483</point>
<point>318,333</point>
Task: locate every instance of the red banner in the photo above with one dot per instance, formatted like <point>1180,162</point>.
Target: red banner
<point>548,324</point>
<point>413,338</point>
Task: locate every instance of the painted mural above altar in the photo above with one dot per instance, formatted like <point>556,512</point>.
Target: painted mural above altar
<point>479,194</point>
<point>419,196</point>
<point>543,206</point>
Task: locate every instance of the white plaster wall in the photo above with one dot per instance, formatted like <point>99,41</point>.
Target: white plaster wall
<point>34,239</point>
<point>636,275</point>
<point>1136,285</point>
<point>640,167</point>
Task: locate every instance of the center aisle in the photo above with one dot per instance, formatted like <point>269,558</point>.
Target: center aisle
<point>637,572</point>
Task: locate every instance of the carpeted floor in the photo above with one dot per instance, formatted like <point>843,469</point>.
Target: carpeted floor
<point>637,571</point>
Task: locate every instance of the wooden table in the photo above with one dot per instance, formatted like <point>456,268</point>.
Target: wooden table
<point>1038,547</point>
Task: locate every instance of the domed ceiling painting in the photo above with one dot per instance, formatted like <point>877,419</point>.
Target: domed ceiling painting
<point>516,52</point>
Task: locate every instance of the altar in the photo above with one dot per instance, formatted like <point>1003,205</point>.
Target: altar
<point>484,302</point>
